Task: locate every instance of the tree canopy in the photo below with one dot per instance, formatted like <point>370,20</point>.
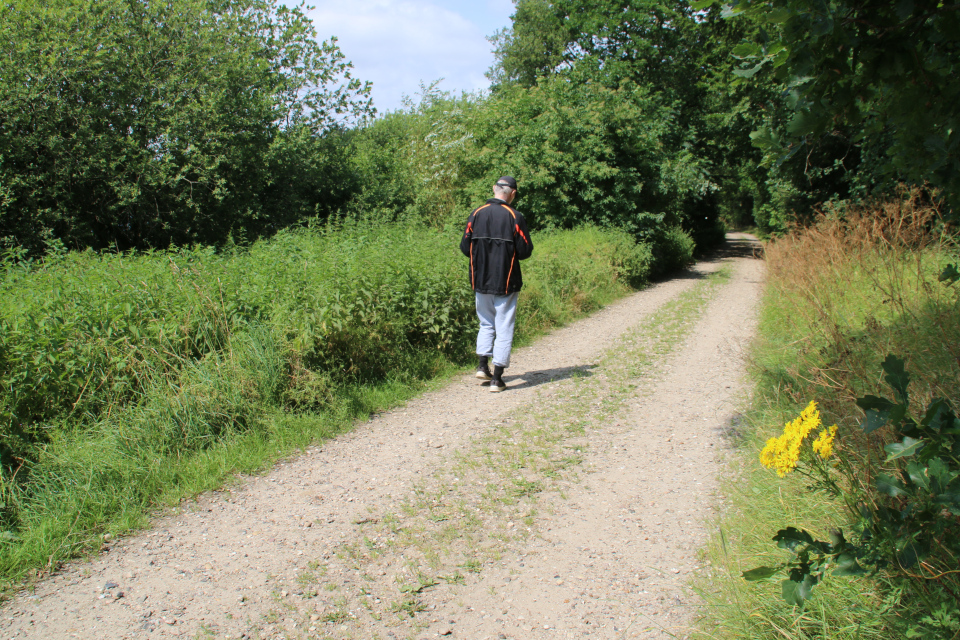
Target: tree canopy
<point>134,124</point>
<point>881,73</point>
<point>145,122</point>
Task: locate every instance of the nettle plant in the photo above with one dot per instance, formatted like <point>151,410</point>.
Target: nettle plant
<point>907,526</point>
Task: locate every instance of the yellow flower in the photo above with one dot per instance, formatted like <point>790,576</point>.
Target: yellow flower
<point>823,445</point>
<point>783,453</point>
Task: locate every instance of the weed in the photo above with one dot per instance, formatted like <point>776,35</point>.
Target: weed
<point>169,373</point>
<point>456,578</point>
<point>408,606</point>
<point>473,565</point>
<point>339,614</point>
<point>523,488</point>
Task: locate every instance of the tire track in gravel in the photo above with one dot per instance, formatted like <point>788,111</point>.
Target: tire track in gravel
<point>601,545</point>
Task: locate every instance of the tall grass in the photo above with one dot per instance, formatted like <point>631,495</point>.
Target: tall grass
<point>130,381</point>
<point>860,284</point>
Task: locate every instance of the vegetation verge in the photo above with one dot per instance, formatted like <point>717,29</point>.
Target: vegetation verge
<point>130,381</point>
<point>860,284</point>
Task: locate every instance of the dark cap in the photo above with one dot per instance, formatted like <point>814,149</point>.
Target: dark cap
<point>507,181</point>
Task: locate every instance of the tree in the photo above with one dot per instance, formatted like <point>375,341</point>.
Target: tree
<point>887,70</point>
<point>534,46</point>
<point>645,40</point>
<point>642,47</point>
<point>137,123</point>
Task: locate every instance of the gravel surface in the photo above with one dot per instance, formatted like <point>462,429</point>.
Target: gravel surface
<point>571,505</point>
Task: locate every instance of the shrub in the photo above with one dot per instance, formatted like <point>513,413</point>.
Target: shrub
<point>672,250</point>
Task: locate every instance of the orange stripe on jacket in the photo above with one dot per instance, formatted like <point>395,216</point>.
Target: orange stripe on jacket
<point>514,258</point>
<point>517,228</point>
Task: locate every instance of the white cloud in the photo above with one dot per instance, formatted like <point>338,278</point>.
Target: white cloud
<point>397,44</point>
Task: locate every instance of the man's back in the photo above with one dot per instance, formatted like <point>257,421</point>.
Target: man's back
<point>496,238</point>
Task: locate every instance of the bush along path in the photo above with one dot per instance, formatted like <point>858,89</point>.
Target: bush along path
<point>572,505</point>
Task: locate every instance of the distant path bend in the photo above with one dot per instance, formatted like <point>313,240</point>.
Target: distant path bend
<point>570,506</point>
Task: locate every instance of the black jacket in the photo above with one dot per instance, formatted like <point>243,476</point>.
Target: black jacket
<point>495,240</point>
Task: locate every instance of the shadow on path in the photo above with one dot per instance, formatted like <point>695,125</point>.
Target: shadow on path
<point>534,378</point>
<point>738,248</point>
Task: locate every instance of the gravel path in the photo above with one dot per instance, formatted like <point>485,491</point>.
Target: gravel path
<point>570,506</point>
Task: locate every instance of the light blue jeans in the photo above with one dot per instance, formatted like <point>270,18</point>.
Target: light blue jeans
<point>497,316</point>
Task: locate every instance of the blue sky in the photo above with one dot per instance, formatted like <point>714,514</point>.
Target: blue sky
<point>397,44</point>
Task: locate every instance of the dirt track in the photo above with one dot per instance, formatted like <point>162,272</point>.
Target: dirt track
<point>570,506</point>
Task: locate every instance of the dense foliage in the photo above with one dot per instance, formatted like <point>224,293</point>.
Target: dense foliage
<point>140,124</point>
<point>878,76</point>
<point>586,56</point>
<point>137,125</point>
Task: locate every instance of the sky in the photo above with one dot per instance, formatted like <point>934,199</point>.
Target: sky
<point>399,44</point>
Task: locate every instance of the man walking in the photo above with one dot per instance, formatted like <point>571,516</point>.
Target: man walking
<point>495,240</point>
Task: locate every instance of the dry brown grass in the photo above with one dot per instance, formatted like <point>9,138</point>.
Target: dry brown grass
<point>867,275</point>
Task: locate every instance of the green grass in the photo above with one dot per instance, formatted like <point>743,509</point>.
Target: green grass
<point>838,301</point>
<point>130,382</point>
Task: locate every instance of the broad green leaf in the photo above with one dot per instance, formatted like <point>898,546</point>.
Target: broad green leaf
<point>905,449</point>
<point>791,537</point>
<point>847,565</point>
<point>793,98</point>
<point>746,50</point>
<point>763,139</point>
<point>874,420</point>
<point>730,11</point>
<point>938,415</point>
<point>749,73</point>
<point>799,81</point>
<point>897,376</point>
<point>796,593</point>
<point>822,25</point>
<point>837,539</point>
<point>897,414</point>
<point>918,475</point>
<point>760,573</point>
<point>949,274</point>
<point>803,122</point>
<point>940,474</point>
<point>879,411</point>
<point>874,402</point>
<point>700,5</point>
<point>779,15</point>
<point>791,592</point>
<point>890,486</point>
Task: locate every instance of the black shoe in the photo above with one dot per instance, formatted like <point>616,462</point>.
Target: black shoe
<point>497,384</point>
<point>483,371</point>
